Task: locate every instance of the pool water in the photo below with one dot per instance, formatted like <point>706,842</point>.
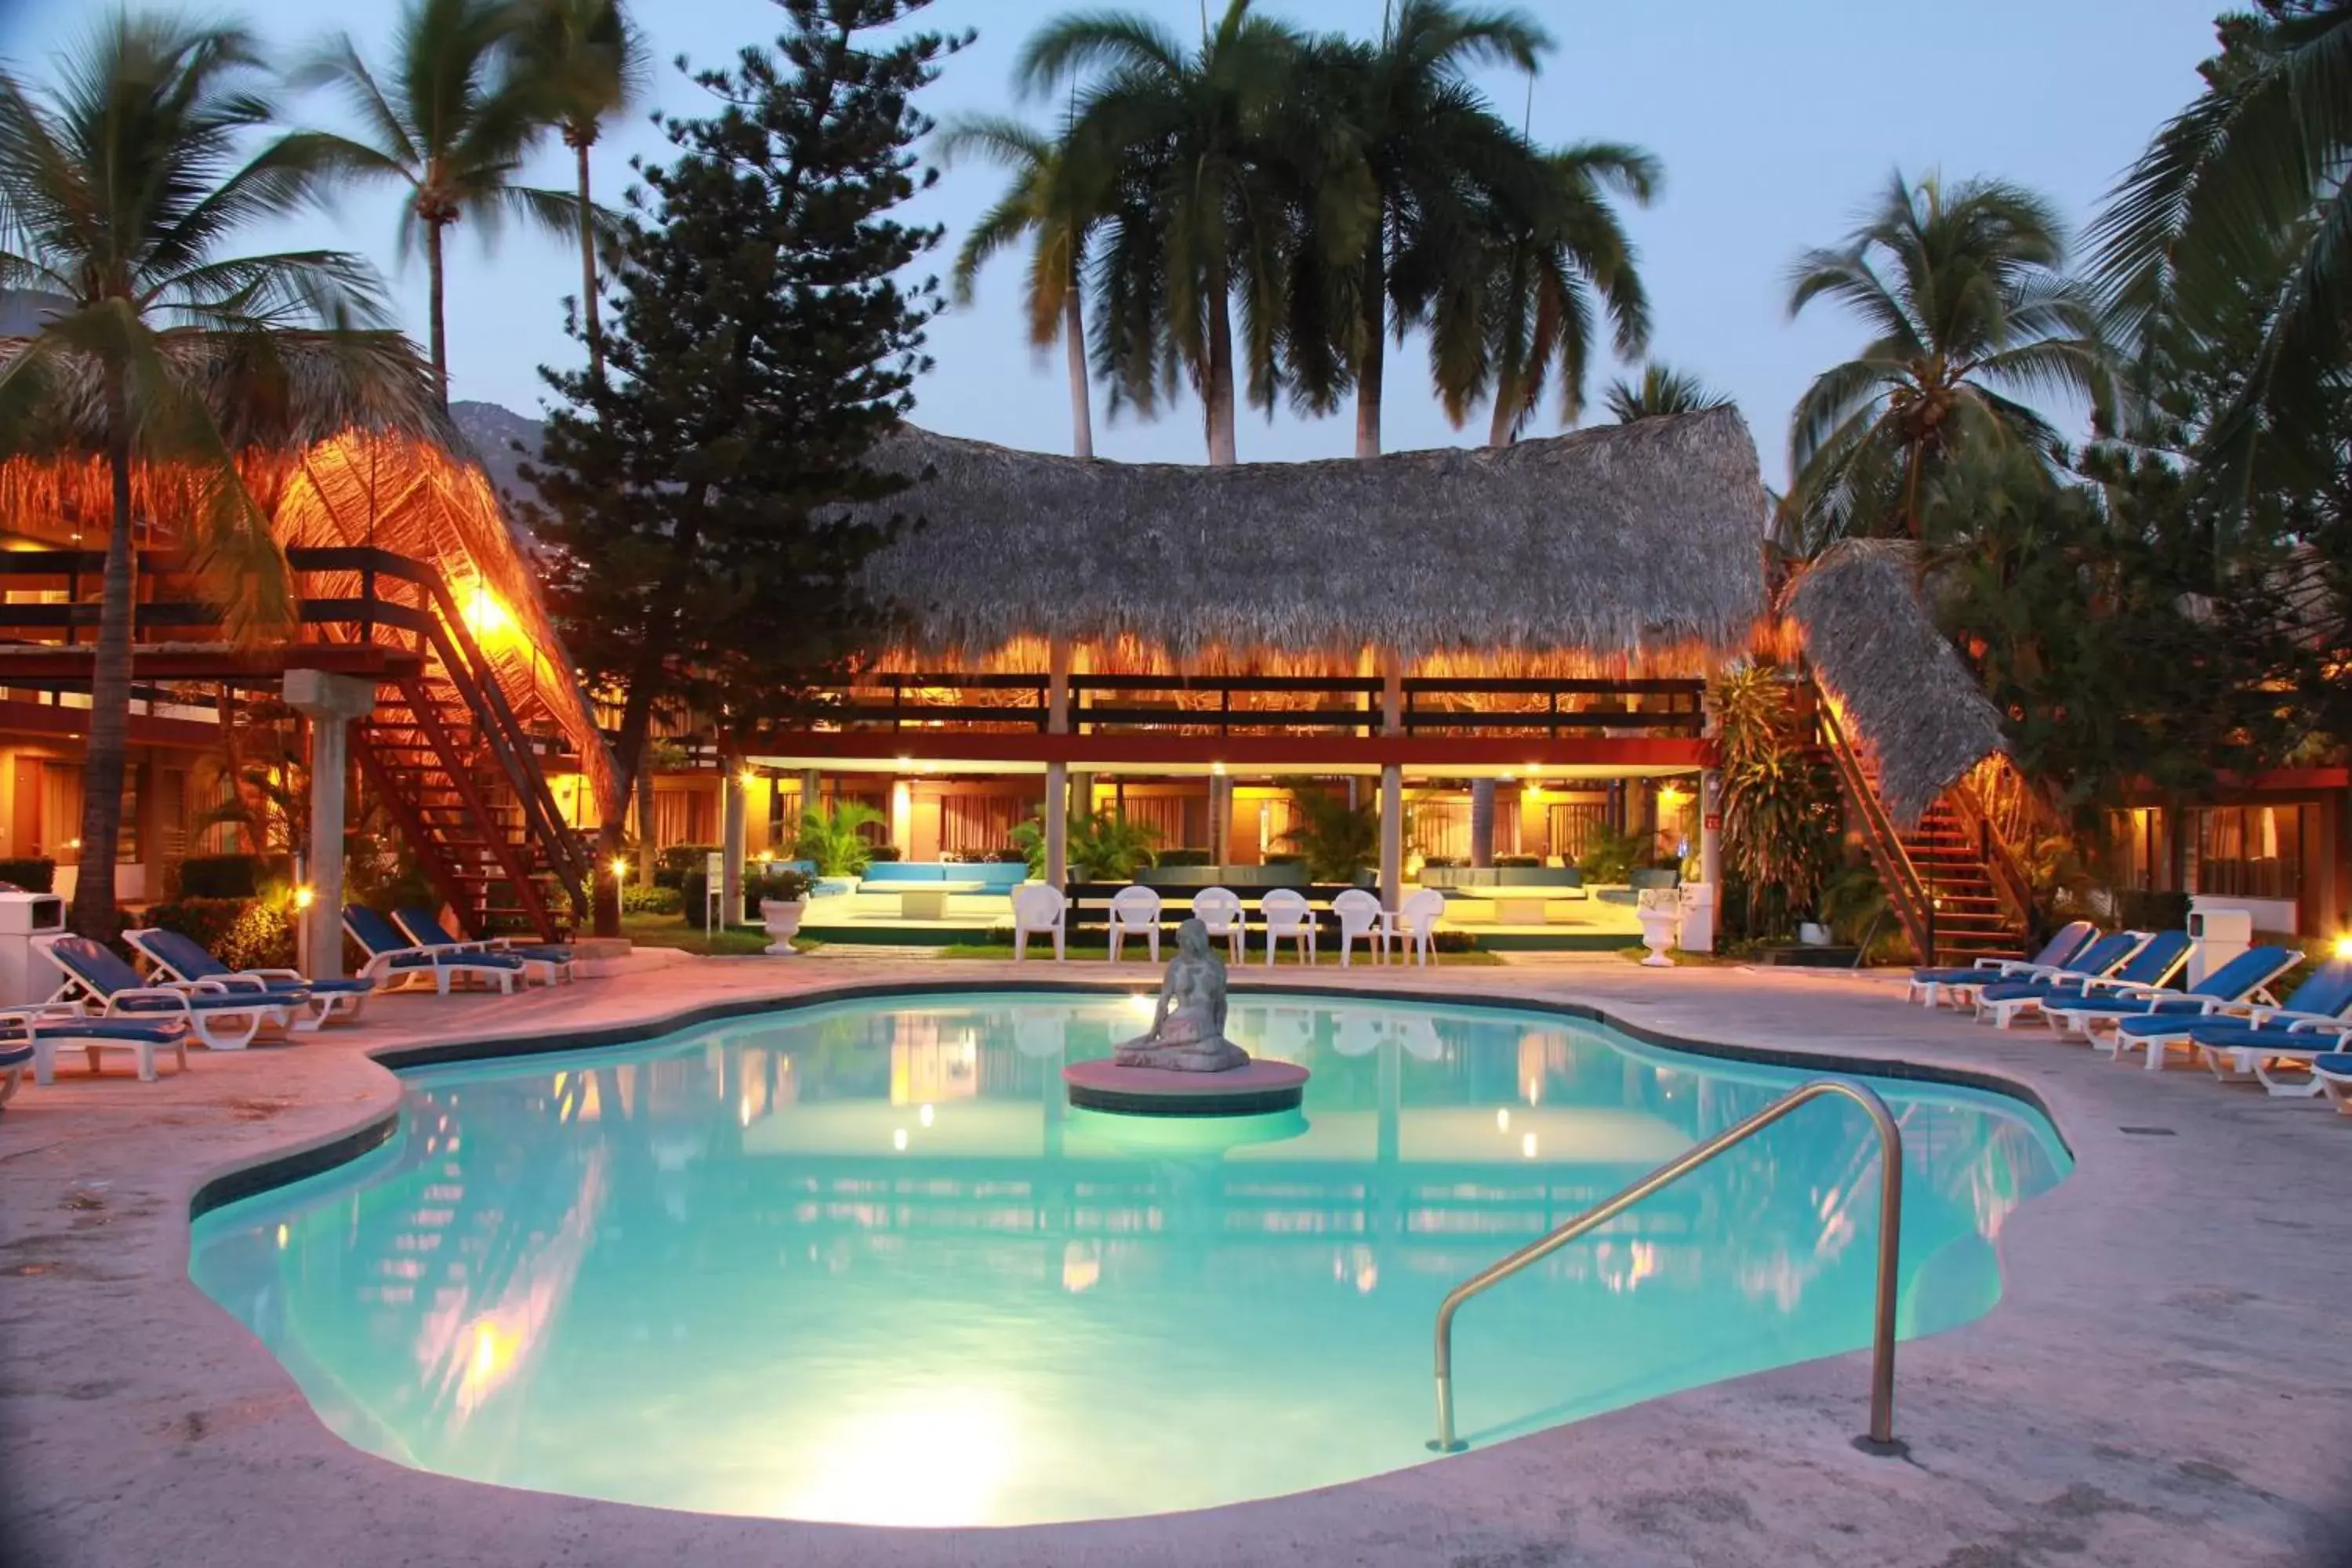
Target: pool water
<point>862,1262</point>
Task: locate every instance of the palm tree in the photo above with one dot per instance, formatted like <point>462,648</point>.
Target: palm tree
<point>1526,313</point>
<point>120,189</point>
<point>1962,290</point>
<point>2247,183</point>
<point>1436,153</point>
<point>1041,202</point>
<point>461,115</point>
<point>1200,167</point>
<point>590,59</point>
<point>1661,391</point>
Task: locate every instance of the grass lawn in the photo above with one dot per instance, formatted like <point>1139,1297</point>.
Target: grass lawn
<point>1098,954</point>
<point>673,931</point>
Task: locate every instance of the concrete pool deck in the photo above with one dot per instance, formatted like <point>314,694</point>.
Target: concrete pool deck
<point>2167,1380</point>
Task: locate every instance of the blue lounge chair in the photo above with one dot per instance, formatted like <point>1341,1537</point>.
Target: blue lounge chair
<point>2244,979</point>
<point>2004,1000</point>
<point>96,978</point>
<point>394,963</point>
<point>2242,1053</point>
<point>40,1033</point>
<point>2334,1075</point>
<point>542,962</point>
<point>15,1059</point>
<point>2322,998</point>
<point>1929,986</point>
<point>180,957</point>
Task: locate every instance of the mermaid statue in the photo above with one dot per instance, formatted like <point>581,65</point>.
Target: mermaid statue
<point>1188,1028</point>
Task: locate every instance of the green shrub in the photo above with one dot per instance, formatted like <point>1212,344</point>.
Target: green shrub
<point>1610,855</point>
<point>886,852</point>
<point>33,875</point>
<point>671,865</point>
<point>780,882</point>
<point>243,934</point>
<point>653,901</point>
<point>1518,862</point>
<point>1184,858</point>
<point>1284,858</point>
<point>1009,855</point>
<point>1439,862</point>
<point>2137,908</point>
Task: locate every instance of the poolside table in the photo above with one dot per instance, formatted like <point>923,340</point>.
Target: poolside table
<point>929,900</point>
<point>1517,905</point>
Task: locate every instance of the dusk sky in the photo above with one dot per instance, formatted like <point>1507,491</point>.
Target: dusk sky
<point>1776,119</point>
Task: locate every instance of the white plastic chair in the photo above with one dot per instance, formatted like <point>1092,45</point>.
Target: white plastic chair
<point>1220,909</point>
<point>1285,913</point>
<point>1359,916</point>
<point>1135,909</point>
<point>1414,923</point>
<point>1039,907</point>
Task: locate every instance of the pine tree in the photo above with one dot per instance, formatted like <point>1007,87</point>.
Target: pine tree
<point>759,343</point>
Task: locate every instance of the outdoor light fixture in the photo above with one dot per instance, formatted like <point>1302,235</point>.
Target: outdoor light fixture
<point>305,896</point>
<point>1218,769</point>
<point>2343,946</point>
<point>620,868</point>
<point>748,777</point>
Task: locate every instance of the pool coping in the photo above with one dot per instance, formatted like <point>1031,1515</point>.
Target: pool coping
<point>266,1171</point>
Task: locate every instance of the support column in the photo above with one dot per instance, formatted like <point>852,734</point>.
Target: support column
<point>811,796</point>
<point>641,800</point>
<point>1082,794</point>
<point>329,702</point>
<point>1057,687</point>
<point>1220,819</point>
<point>1057,824</point>
<point>1392,834</point>
<point>1392,693</point>
<point>902,817</point>
<point>1482,822</point>
<point>1710,828</point>
<point>731,842</point>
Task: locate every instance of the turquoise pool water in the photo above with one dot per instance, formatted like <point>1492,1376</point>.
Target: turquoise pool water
<point>861,1262</point>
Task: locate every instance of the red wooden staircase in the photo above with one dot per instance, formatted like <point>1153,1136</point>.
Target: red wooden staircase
<point>1951,880</point>
<point>461,774</point>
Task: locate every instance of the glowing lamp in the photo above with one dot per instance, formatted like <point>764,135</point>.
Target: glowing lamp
<point>620,867</point>
<point>305,896</point>
<point>2343,946</point>
<point>748,777</point>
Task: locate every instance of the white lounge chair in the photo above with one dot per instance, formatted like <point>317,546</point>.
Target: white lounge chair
<point>1039,907</point>
<point>550,964</point>
<point>1359,915</point>
<point>1413,925</point>
<point>1285,914</point>
<point>317,1002</point>
<point>393,961</point>
<point>1220,910</point>
<point>222,1019</point>
<point>41,1033</point>
<point>1135,909</point>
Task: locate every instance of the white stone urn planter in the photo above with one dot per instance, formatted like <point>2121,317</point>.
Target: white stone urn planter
<point>783,920</point>
<point>1661,915</point>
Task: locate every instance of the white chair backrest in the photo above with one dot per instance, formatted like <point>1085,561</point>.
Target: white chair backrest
<point>1357,909</point>
<point>1037,906</point>
<point>1218,908</point>
<point>1422,906</point>
<point>1285,910</point>
<point>1136,907</point>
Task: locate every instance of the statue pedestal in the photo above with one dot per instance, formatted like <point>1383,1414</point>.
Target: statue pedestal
<point>1251,1091</point>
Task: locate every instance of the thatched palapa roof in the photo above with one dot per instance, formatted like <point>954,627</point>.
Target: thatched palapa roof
<point>1628,541</point>
<point>1874,647</point>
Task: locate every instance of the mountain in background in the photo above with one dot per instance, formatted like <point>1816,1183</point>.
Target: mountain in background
<point>494,433</point>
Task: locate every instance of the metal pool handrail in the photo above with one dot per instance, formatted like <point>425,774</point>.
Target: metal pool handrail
<point>1879,1439</point>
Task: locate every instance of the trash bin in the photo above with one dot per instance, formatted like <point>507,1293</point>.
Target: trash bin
<point>1698,917</point>
<point>25,977</point>
<point>2216,935</point>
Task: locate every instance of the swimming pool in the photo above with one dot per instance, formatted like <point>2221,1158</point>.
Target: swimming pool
<point>860,1262</point>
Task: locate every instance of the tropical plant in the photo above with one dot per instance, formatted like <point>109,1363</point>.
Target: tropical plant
<point>2248,182</point>
<point>121,190</point>
<point>836,840</point>
<point>1437,158</point>
<point>1044,205</point>
<point>590,60</point>
<point>454,129</point>
<point>1611,854</point>
<point>1528,317</point>
<point>1103,846</point>
<point>1333,839</point>
<point>1781,813</point>
<point>1962,289</point>
<point>1206,172</point>
<point>1661,391</point>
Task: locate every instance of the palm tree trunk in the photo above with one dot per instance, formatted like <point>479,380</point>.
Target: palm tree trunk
<point>109,691</point>
<point>1217,386</point>
<point>1369,368</point>
<point>1074,334</point>
<point>588,271</point>
<point>1505,414</point>
<point>433,307</point>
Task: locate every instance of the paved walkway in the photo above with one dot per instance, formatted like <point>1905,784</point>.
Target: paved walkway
<point>2167,1380</point>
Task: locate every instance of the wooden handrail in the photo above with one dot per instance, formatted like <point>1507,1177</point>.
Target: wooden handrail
<point>1905,889</point>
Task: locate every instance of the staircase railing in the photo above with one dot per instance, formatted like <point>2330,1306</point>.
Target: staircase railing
<point>1906,890</point>
<point>2005,813</point>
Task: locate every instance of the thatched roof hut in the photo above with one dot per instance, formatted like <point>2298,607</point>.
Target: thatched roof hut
<point>1877,651</point>
<point>1639,545</point>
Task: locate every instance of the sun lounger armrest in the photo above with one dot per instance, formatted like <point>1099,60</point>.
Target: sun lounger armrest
<point>282,976</point>
<point>2109,986</point>
<point>115,1008</point>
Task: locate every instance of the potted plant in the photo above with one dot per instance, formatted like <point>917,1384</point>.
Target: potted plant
<point>784,898</point>
<point>1661,913</point>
